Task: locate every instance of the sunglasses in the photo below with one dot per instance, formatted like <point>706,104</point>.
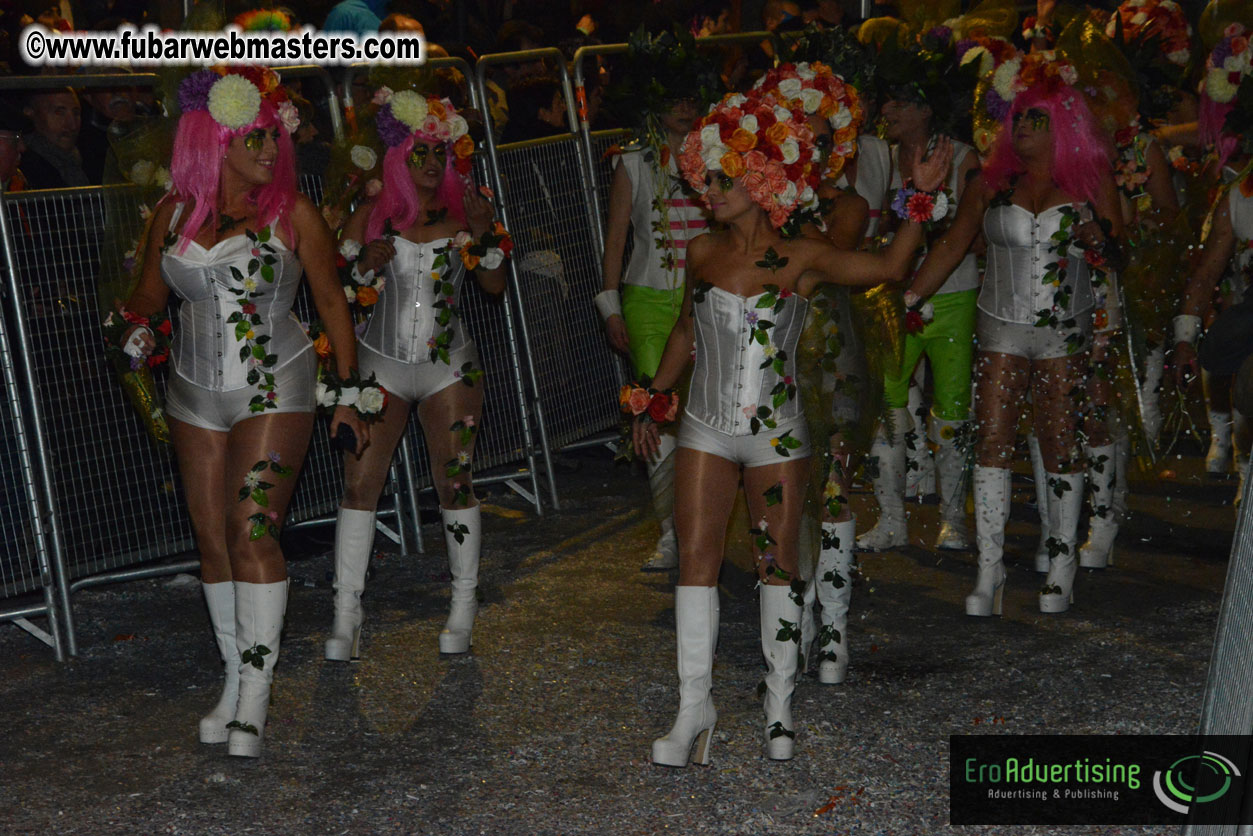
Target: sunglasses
<point>420,152</point>
<point>1036,118</point>
<point>255,140</point>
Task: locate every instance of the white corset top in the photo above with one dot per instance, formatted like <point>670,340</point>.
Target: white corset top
<point>1020,248</point>
<point>405,319</point>
<point>734,374</point>
<point>227,279</point>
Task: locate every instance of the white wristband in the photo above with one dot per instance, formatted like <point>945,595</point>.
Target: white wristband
<point>1187,329</point>
<point>134,346</point>
<point>608,303</point>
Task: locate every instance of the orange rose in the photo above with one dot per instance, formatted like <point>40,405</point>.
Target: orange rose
<point>464,146</point>
<point>470,260</point>
<point>732,164</point>
<point>624,396</point>
<point>639,401</point>
<point>742,141</point>
<point>436,108</point>
<point>776,133</point>
<point>322,346</point>
<point>367,296</point>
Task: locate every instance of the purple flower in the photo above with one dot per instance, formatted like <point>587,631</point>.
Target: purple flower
<point>391,130</point>
<point>1221,53</point>
<point>274,457</point>
<point>997,107</point>
<point>193,93</point>
<point>941,33</point>
<point>963,46</point>
<point>751,316</point>
<point>899,200</point>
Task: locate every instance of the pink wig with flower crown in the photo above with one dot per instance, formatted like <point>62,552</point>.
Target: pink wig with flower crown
<point>1081,152</point>
<point>398,201</point>
<point>196,170</point>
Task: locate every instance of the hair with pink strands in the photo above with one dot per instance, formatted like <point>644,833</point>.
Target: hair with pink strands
<point>1081,152</point>
<point>398,201</point>
<point>196,170</point>
<point>1210,118</point>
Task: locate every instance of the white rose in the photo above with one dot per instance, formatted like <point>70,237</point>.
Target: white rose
<point>790,88</point>
<point>457,127</point>
<point>325,396</point>
<point>141,173</point>
<point>349,395</point>
<point>371,401</point>
<point>782,113</point>
<point>941,206</point>
<point>493,259</point>
<point>350,248</point>
<point>350,293</point>
<point>791,151</point>
<point>710,136</point>
<point>842,118</point>
<point>735,100</point>
<point>789,195</point>
<point>1218,87</point>
<point>461,239</point>
<point>749,123</point>
<point>713,157</point>
<point>811,99</point>
<point>363,158</point>
<point>808,196</point>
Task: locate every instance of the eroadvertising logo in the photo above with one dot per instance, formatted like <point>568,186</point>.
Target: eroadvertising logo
<point>1096,779</point>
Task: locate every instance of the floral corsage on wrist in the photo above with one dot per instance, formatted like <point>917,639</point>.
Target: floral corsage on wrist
<point>924,208</point>
<point>359,289</point>
<point>919,313</point>
<point>364,395</point>
<point>488,251</point>
<point>649,404</point>
<point>120,321</point>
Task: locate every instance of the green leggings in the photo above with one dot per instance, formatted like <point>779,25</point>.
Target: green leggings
<point>948,341</point>
<point>650,316</point>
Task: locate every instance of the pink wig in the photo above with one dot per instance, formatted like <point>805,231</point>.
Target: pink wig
<point>1210,117</point>
<point>1081,152</point>
<point>398,201</point>
<point>196,168</point>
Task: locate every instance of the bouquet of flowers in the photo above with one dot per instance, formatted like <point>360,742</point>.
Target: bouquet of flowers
<point>1162,21</point>
<point>660,407</point>
<point>488,251</point>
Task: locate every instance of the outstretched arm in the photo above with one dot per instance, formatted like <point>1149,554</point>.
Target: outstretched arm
<point>1219,248</point>
<point>944,256</point>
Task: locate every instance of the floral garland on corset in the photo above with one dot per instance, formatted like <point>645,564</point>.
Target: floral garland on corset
<point>247,321</point>
<point>1162,20</point>
<point>1057,273</point>
<point>1131,170</point>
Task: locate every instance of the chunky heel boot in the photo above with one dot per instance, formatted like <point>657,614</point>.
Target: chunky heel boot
<point>780,639</point>
<point>920,475</point>
<point>889,486</point>
<point>220,598</point>
<point>462,534</point>
<point>834,580</point>
<point>1218,457</point>
<point>1057,594</point>
<point>1150,393</point>
<point>259,609</point>
<point>1040,477</point>
<point>696,635</point>
<point>991,487</point>
<point>1097,552</point>
<point>950,468</point>
<point>354,537</point>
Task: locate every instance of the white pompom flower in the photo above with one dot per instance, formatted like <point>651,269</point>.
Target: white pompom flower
<point>234,102</point>
<point>410,108</point>
<point>363,157</point>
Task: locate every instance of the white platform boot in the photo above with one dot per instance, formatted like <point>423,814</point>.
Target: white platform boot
<point>780,640</point>
<point>950,468</point>
<point>696,636</point>
<point>354,537</point>
<point>1218,457</point>
<point>920,475</point>
<point>1040,478</point>
<point>834,583</point>
<point>665,554</point>
<point>220,599</point>
<point>1058,592</point>
<point>992,497</point>
<point>889,486</point>
<point>1096,553</point>
<point>463,537</point>
<point>1150,393</point>
<point>259,610</point>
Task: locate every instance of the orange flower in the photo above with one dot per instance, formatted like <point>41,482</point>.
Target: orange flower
<point>732,164</point>
<point>469,259</point>
<point>367,296</point>
<point>624,396</point>
<point>638,402</point>
<point>436,108</point>
<point>464,146</point>
<point>742,141</point>
<point>776,133</point>
<point>322,346</point>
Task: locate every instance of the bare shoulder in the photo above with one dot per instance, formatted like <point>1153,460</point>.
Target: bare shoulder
<point>354,227</point>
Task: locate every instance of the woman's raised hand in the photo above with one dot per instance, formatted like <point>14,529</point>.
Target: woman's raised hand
<point>375,255</point>
<point>931,172</point>
<point>479,210</point>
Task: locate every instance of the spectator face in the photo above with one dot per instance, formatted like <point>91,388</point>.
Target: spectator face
<point>555,114</point>
<point>10,154</point>
<point>57,118</point>
<point>251,157</point>
<point>904,118</point>
<point>680,116</point>
<point>113,104</point>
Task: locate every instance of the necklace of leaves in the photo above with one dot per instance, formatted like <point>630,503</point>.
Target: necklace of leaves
<point>247,321</point>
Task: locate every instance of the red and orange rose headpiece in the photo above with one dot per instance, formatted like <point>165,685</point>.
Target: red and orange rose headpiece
<point>819,92</point>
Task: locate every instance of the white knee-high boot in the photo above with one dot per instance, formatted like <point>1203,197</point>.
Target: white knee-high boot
<point>220,598</point>
<point>950,468</point>
<point>1040,478</point>
<point>1218,457</point>
<point>696,636</point>
<point>992,497</point>
<point>1103,521</point>
<point>665,554</point>
<point>780,640</point>
<point>463,537</point>
<point>920,476</point>
<point>259,611</point>
<point>834,582</point>
<point>354,536</point>
<point>1058,592</point>
<point>1150,393</point>
<point>889,485</point>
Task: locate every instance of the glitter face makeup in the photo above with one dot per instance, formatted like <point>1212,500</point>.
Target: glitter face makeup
<point>420,152</point>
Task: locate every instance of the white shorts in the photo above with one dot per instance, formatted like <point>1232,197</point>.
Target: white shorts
<point>745,450</point>
<point>1034,343</point>
<point>219,411</point>
<point>415,382</point>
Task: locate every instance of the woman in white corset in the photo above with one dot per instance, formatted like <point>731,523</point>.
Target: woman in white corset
<point>743,310</point>
<point>1046,203</point>
<point>415,239</point>
<point>231,242</point>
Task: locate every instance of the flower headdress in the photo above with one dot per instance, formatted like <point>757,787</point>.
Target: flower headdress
<point>761,140</point>
<point>925,69</point>
<point>406,112</point>
<point>1229,64</point>
<point>1160,22</point>
<point>818,91</point>
<point>1045,69</point>
<point>232,96</point>
<point>844,54</point>
<point>659,69</point>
